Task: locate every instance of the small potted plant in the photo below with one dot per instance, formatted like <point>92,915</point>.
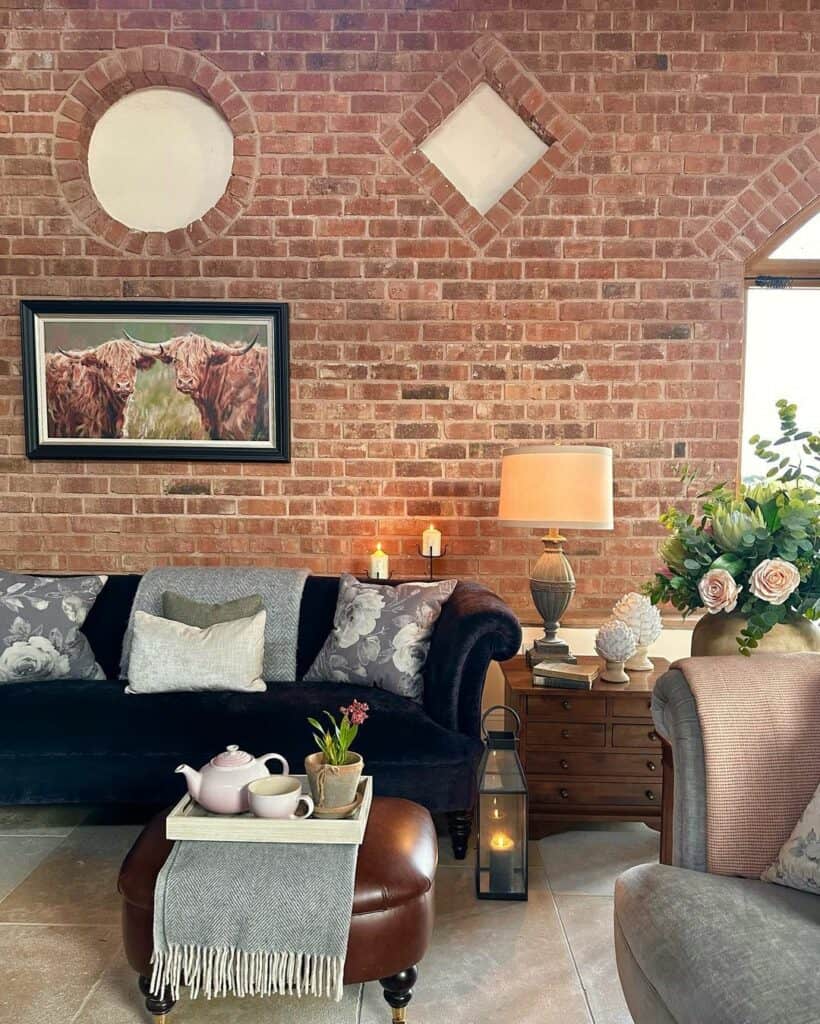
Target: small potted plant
<point>335,770</point>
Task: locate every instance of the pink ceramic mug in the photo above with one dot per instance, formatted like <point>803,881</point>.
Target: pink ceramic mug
<point>278,796</point>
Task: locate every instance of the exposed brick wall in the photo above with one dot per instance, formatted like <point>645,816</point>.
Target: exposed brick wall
<point>609,308</point>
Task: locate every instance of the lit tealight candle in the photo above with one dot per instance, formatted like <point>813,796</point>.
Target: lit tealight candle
<point>431,542</point>
<point>502,853</point>
<point>379,564</point>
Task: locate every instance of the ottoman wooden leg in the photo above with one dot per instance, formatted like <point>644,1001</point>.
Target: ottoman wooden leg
<point>398,991</point>
<point>158,1006</point>
<point>460,824</point>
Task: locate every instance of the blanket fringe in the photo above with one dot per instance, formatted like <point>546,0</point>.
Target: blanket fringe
<point>226,970</point>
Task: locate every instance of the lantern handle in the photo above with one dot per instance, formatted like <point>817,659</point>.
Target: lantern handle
<point>500,707</point>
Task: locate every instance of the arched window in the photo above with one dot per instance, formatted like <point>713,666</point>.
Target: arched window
<point>782,355</point>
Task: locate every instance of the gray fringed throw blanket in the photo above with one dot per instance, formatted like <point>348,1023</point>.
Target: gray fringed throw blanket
<point>253,918</point>
<point>280,590</point>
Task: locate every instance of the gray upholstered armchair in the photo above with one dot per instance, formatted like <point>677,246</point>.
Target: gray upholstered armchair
<point>699,939</point>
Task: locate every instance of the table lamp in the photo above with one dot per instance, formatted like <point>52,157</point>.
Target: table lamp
<point>555,486</point>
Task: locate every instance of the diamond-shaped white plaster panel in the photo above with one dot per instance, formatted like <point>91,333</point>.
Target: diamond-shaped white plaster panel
<point>483,148</point>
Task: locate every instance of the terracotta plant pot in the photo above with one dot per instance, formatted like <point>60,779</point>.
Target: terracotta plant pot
<point>333,785</point>
<point>715,635</point>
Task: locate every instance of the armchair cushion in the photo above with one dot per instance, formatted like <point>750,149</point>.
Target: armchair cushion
<point>693,947</point>
<point>798,863</point>
<point>759,723</point>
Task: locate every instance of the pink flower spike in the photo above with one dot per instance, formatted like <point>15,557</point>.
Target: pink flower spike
<point>357,712</point>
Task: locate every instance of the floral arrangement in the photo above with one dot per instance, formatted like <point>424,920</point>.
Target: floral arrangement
<point>756,549</point>
<point>335,742</point>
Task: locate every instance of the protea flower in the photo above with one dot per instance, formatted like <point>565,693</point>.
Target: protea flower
<point>729,523</point>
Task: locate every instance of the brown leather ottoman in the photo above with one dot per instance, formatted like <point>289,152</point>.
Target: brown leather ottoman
<point>392,902</point>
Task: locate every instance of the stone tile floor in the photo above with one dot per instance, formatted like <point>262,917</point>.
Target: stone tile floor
<point>547,960</point>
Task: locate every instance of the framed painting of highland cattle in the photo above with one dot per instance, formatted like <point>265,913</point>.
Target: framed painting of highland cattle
<point>155,380</point>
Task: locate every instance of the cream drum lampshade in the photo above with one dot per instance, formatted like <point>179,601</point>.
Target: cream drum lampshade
<point>567,486</point>
<point>554,486</point>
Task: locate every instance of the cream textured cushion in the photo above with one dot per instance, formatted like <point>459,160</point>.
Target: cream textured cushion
<point>798,863</point>
<point>168,655</point>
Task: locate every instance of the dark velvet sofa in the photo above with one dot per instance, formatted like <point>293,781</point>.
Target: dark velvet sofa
<point>80,741</point>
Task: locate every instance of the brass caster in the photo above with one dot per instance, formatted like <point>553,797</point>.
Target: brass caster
<point>161,1019</point>
<point>399,1014</point>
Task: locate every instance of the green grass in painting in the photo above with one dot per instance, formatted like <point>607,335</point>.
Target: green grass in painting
<point>158,410</point>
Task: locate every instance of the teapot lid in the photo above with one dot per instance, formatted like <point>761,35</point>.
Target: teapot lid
<point>233,757</point>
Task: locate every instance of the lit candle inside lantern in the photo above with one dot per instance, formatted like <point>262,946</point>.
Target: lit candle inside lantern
<point>502,854</point>
<point>379,564</point>
<point>431,542</point>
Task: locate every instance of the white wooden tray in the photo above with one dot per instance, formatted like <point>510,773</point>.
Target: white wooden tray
<point>188,820</point>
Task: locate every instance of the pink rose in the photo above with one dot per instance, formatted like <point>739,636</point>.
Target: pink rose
<point>718,591</point>
<point>774,580</point>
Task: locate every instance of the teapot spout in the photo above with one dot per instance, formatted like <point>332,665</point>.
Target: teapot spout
<point>192,777</point>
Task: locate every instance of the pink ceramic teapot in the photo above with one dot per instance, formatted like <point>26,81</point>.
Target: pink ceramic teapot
<point>221,785</point>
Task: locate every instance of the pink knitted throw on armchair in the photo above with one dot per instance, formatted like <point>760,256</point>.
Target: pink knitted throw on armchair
<point>760,721</point>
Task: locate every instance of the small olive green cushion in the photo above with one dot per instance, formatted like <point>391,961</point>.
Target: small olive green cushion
<point>199,614</point>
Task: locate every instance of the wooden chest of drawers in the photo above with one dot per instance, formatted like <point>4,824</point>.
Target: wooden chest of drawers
<point>589,755</point>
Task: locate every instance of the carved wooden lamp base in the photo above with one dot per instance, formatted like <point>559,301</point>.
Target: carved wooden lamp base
<point>552,585</point>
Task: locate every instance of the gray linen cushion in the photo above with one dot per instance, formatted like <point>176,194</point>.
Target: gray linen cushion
<point>170,656</point>
<point>201,614</point>
<point>381,635</point>
<point>719,950</point>
<point>40,620</point>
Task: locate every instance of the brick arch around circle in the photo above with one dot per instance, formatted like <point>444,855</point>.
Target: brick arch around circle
<point>108,80</point>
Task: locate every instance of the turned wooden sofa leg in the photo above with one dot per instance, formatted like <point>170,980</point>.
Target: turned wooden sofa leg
<point>158,1006</point>
<point>398,991</point>
<point>460,824</point>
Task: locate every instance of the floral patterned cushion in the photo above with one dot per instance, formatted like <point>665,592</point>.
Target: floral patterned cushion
<point>798,863</point>
<point>381,635</point>
<point>40,619</point>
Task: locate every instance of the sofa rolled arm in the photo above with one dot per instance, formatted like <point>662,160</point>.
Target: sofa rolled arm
<point>475,628</point>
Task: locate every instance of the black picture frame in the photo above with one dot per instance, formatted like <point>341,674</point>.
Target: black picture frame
<point>36,314</point>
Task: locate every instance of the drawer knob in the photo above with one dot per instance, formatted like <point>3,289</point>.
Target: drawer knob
<point>564,763</point>
<point>650,795</point>
<point>566,704</point>
<point>652,735</point>
<point>565,734</point>
<point>651,766</point>
<point>564,794</point>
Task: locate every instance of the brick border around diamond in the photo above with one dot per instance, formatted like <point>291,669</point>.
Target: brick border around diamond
<point>487,60</point>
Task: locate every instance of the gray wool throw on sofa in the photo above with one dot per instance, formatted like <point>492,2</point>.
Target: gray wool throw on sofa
<point>251,919</point>
<point>280,590</point>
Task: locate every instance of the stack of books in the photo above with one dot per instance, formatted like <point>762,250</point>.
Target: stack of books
<point>562,676</point>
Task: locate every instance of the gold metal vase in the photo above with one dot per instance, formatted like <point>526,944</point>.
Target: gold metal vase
<point>715,635</point>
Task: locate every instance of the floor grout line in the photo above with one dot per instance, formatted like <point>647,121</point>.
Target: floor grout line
<point>110,963</point>
<point>571,952</point>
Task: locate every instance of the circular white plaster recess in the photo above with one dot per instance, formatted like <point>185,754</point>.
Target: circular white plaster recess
<point>159,159</point>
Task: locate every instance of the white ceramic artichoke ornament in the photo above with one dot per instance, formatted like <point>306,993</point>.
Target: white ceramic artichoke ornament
<point>615,643</point>
<point>644,619</point>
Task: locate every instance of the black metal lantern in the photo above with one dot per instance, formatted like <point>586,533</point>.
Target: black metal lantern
<point>501,857</point>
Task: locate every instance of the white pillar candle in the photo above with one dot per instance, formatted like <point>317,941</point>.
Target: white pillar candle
<point>431,541</point>
<point>502,862</point>
<point>379,564</point>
